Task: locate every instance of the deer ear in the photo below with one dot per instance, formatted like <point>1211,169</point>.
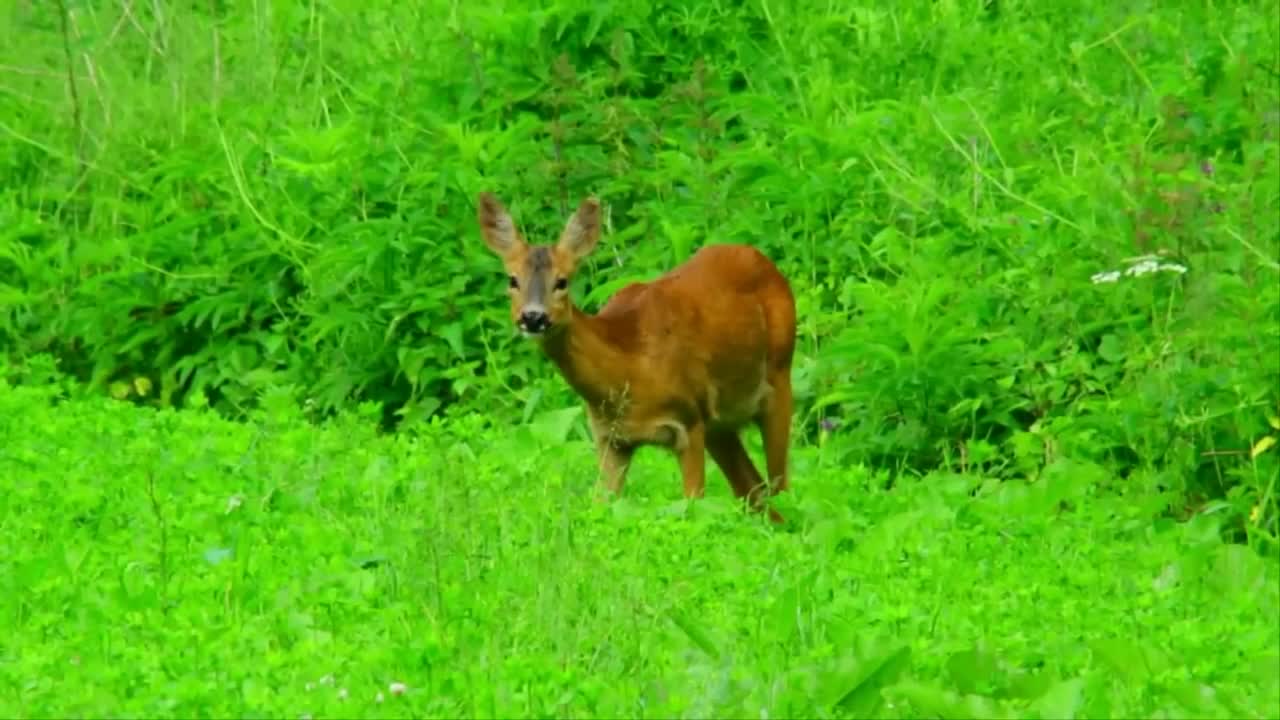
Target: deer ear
<point>582,232</point>
<point>496,226</point>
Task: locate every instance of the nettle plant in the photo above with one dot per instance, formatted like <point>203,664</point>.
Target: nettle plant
<point>214,227</point>
<point>1190,354</point>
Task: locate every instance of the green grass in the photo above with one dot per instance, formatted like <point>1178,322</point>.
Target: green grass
<point>171,563</point>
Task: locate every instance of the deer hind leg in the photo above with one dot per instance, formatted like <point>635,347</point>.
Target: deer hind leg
<point>726,449</point>
<point>775,429</point>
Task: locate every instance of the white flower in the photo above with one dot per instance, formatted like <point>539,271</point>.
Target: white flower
<point>398,688</point>
<point>1146,265</point>
<point>1143,265</point>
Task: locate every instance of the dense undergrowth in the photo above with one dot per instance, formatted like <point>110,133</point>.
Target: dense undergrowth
<point>177,564</point>
<point>283,194</point>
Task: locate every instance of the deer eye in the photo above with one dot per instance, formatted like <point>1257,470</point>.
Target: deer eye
<point>514,283</point>
<point>562,283</point>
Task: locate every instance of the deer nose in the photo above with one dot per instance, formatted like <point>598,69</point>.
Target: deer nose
<point>534,321</point>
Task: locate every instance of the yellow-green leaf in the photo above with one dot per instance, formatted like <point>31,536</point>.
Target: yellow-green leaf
<point>1262,446</point>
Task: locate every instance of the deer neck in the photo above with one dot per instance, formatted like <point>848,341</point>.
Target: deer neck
<point>588,358</point>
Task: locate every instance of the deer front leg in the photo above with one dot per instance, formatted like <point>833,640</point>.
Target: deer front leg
<point>693,461</point>
<point>614,459</point>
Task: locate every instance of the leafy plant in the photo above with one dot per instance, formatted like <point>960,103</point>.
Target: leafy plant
<point>207,202</point>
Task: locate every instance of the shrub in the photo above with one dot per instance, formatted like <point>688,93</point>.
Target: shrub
<point>202,200</point>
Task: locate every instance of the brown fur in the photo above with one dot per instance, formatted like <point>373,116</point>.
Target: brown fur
<point>684,362</point>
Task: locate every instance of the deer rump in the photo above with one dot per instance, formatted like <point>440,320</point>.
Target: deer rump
<point>705,339</point>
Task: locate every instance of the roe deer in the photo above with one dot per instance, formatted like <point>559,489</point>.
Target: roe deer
<point>683,362</point>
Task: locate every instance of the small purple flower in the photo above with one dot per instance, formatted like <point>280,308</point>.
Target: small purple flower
<point>1206,167</point>
<point>829,424</point>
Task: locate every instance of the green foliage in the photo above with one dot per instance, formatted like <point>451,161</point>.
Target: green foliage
<point>201,200</point>
<point>173,563</point>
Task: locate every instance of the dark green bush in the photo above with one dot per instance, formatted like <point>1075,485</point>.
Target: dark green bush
<point>217,200</point>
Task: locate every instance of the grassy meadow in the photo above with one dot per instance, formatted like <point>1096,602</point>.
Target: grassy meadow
<point>177,564</point>
<point>270,447</point>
